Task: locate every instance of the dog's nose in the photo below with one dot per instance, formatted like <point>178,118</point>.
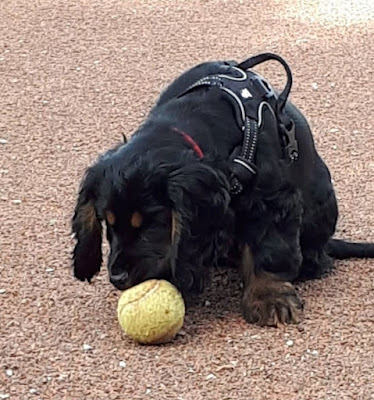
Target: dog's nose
<point>119,280</point>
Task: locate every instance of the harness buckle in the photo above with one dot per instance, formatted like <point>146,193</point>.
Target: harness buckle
<point>291,147</point>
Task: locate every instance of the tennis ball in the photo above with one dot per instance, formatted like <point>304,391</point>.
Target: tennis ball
<point>151,312</point>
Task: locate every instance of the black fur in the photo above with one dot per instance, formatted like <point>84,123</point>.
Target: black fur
<point>286,217</point>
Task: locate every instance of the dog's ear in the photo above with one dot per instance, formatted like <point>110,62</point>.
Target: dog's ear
<point>200,200</point>
<point>197,188</point>
<point>87,228</point>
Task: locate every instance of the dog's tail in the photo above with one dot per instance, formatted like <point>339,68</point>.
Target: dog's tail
<point>341,249</point>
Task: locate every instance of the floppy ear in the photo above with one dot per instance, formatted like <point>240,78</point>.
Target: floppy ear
<point>197,188</point>
<point>176,232</point>
<point>200,202</point>
<point>86,226</point>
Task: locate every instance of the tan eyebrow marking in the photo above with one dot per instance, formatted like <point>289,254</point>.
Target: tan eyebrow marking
<point>136,220</point>
<point>110,217</point>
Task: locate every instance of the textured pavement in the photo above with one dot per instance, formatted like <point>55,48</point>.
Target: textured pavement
<point>74,76</point>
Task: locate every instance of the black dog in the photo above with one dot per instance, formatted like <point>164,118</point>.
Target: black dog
<point>170,211</point>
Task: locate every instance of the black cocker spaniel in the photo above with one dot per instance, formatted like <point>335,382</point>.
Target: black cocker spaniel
<point>170,211</point>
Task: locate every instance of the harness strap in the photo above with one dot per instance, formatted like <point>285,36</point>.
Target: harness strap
<point>246,91</point>
<point>285,123</point>
<point>243,168</point>
<point>218,81</point>
<point>260,58</point>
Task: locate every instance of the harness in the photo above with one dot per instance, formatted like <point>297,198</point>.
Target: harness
<point>249,92</point>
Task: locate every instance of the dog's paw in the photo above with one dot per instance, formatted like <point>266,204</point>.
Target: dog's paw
<point>272,303</point>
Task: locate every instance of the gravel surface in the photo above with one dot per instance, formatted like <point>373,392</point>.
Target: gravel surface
<point>74,76</point>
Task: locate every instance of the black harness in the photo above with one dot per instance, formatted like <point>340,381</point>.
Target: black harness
<point>249,93</point>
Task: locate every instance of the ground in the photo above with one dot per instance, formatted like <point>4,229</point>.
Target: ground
<point>75,76</point>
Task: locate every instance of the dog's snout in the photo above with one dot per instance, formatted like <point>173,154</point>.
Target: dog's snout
<point>117,267</point>
<point>119,280</point>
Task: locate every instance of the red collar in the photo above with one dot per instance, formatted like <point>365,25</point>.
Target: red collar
<point>189,139</point>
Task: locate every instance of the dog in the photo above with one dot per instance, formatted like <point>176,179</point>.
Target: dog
<point>166,200</point>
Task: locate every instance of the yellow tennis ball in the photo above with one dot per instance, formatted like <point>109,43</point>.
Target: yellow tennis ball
<point>151,312</point>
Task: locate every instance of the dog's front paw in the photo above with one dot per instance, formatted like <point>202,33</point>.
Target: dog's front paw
<point>271,303</point>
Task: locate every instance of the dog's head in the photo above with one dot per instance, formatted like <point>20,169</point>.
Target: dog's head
<point>166,214</point>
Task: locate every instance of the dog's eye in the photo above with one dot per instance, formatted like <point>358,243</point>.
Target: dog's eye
<point>136,220</point>
<point>110,217</point>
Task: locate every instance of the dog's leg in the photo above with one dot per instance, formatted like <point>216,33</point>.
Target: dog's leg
<point>267,299</point>
<point>319,224</point>
<point>271,261</point>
